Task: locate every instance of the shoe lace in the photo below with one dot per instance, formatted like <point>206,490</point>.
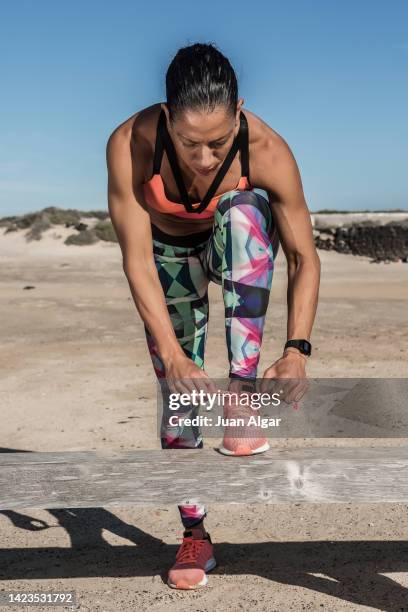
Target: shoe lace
<point>189,550</point>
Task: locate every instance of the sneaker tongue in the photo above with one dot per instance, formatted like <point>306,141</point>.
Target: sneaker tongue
<point>196,534</point>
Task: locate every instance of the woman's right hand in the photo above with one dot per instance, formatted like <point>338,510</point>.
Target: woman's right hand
<point>183,376</point>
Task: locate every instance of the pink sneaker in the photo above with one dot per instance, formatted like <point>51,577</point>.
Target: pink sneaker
<point>194,558</point>
<point>243,438</point>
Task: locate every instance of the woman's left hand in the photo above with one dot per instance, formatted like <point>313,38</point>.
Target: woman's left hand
<point>291,366</point>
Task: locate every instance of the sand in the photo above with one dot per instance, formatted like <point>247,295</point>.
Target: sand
<point>76,375</point>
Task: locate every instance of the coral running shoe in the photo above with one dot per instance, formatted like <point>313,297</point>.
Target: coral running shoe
<point>242,435</point>
<point>194,558</point>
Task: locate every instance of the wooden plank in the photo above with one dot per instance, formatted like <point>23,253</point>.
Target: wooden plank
<point>161,477</point>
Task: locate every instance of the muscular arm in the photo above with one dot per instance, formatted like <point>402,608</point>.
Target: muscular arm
<point>131,222</point>
<point>281,179</point>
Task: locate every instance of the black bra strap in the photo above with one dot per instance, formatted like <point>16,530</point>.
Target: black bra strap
<point>158,149</point>
<point>240,142</point>
<point>172,157</point>
<point>244,146</point>
<point>221,173</point>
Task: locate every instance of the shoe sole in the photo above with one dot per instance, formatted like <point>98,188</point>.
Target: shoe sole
<point>211,563</point>
<point>255,451</point>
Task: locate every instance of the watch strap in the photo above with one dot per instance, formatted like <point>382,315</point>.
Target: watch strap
<point>304,346</point>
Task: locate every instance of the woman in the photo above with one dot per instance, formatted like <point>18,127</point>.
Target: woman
<point>181,176</point>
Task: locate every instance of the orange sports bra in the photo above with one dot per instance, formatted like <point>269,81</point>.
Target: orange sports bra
<point>154,189</point>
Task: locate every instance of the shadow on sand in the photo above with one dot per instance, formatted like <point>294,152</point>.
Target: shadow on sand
<point>352,570</point>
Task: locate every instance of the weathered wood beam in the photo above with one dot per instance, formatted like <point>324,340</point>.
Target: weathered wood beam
<point>162,477</point>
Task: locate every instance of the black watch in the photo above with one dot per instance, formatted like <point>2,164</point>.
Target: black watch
<point>304,346</point>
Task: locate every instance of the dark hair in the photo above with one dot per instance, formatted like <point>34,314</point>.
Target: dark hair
<point>200,77</point>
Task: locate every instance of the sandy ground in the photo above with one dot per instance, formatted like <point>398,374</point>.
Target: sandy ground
<point>76,375</point>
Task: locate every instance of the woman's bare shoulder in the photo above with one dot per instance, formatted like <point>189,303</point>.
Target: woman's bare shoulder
<point>268,149</point>
<point>139,127</point>
<point>135,138</point>
<point>261,134</point>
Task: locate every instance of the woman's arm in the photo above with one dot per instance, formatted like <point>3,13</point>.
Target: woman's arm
<point>132,225</point>
<point>296,235</point>
<point>281,179</point>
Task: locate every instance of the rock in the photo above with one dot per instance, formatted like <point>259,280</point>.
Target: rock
<point>81,227</point>
<point>380,242</point>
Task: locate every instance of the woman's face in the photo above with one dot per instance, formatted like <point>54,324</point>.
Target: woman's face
<point>202,140</point>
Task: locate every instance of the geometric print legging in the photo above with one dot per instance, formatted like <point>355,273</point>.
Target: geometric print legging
<point>239,255</point>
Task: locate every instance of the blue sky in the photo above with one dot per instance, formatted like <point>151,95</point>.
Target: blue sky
<point>330,77</point>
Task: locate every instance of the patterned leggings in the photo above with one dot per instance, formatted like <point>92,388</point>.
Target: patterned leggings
<point>239,255</point>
